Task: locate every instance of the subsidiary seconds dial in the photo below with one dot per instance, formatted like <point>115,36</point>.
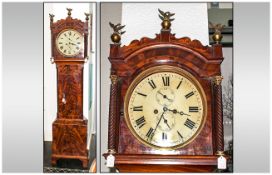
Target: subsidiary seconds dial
<point>165,107</point>
<point>69,42</point>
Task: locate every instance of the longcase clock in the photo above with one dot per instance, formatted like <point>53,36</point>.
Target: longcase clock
<point>165,103</point>
<point>69,40</point>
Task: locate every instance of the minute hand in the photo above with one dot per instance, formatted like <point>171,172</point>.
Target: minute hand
<point>179,112</point>
<point>164,109</point>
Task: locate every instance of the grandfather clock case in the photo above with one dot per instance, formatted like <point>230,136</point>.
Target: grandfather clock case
<point>127,62</point>
<point>70,126</point>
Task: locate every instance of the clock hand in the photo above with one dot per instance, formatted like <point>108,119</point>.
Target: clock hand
<point>72,43</point>
<point>68,45</point>
<point>164,96</point>
<point>164,109</point>
<point>175,111</point>
<point>182,113</point>
<point>165,121</point>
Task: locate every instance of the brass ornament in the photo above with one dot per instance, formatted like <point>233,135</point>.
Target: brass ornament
<point>87,16</point>
<point>220,153</point>
<point>166,19</point>
<point>51,17</point>
<point>114,79</point>
<point>217,79</point>
<point>111,151</point>
<point>217,36</point>
<point>117,32</point>
<point>69,11</point>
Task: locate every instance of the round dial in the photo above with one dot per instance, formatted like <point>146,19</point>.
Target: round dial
<point>69,42</point>
<point>165,107</point>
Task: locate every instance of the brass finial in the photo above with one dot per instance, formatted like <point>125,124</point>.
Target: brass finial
<point>69,11</point>
<point>87,16</point>
<point>217,79</point>
<point>217,36</point>
<point>166,19</point>
<point>117,32</point>
<point>51,17</point>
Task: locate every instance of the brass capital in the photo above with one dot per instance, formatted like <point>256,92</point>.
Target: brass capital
<point>114,79</point>
<point>217,79</point>
<point>111,151</point>
<point>220,153</point>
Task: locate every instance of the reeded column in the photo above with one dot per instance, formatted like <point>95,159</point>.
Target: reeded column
<point>218,113</point>
<point>112,114</point>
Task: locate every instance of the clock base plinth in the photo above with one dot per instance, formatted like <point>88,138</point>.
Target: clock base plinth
<point>70,140</point>
<point>146,163</point>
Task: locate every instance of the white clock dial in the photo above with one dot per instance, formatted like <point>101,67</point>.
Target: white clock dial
<point>69,42</point>
<point>165,108</point>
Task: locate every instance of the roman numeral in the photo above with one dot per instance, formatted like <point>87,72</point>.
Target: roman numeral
<point>189,95</point>
<point>141,94</point>
<point>65,34</point>
<point>193,109</point>
<point>77,38</point>
<point>64,51</point>
<point>166,81</point>
<point>152,84</point>
<point>138,108</point>
<point>140,122</point>
<point>60,42</point>
<point>61,47</point>
<point>180,135</point>
<point>78,42</point>
<point>189,123</point>
<point>179,84</point>
<point>77,48</point>
<point>149,133</point>
<point>70,33</point>
<point>164,136</point>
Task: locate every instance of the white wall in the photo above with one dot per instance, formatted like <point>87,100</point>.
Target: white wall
<point>50,87</point>
<point>141,19</point>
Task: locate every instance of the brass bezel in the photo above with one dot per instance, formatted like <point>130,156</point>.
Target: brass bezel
<point>82,45</point>
<point>158,69</point>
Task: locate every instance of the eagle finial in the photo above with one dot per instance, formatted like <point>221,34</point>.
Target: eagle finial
<point>166,19</point>
<point>117,32</point>
<point>217,36</point>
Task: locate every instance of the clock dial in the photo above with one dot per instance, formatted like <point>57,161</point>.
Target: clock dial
<point>165,108</point>
<point>69,42</point>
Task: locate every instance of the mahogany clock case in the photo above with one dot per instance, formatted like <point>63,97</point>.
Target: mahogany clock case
<point>66,79</point>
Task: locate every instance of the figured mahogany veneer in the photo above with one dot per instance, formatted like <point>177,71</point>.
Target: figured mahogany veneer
<point>70,126</point>
<point>203,62</point>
